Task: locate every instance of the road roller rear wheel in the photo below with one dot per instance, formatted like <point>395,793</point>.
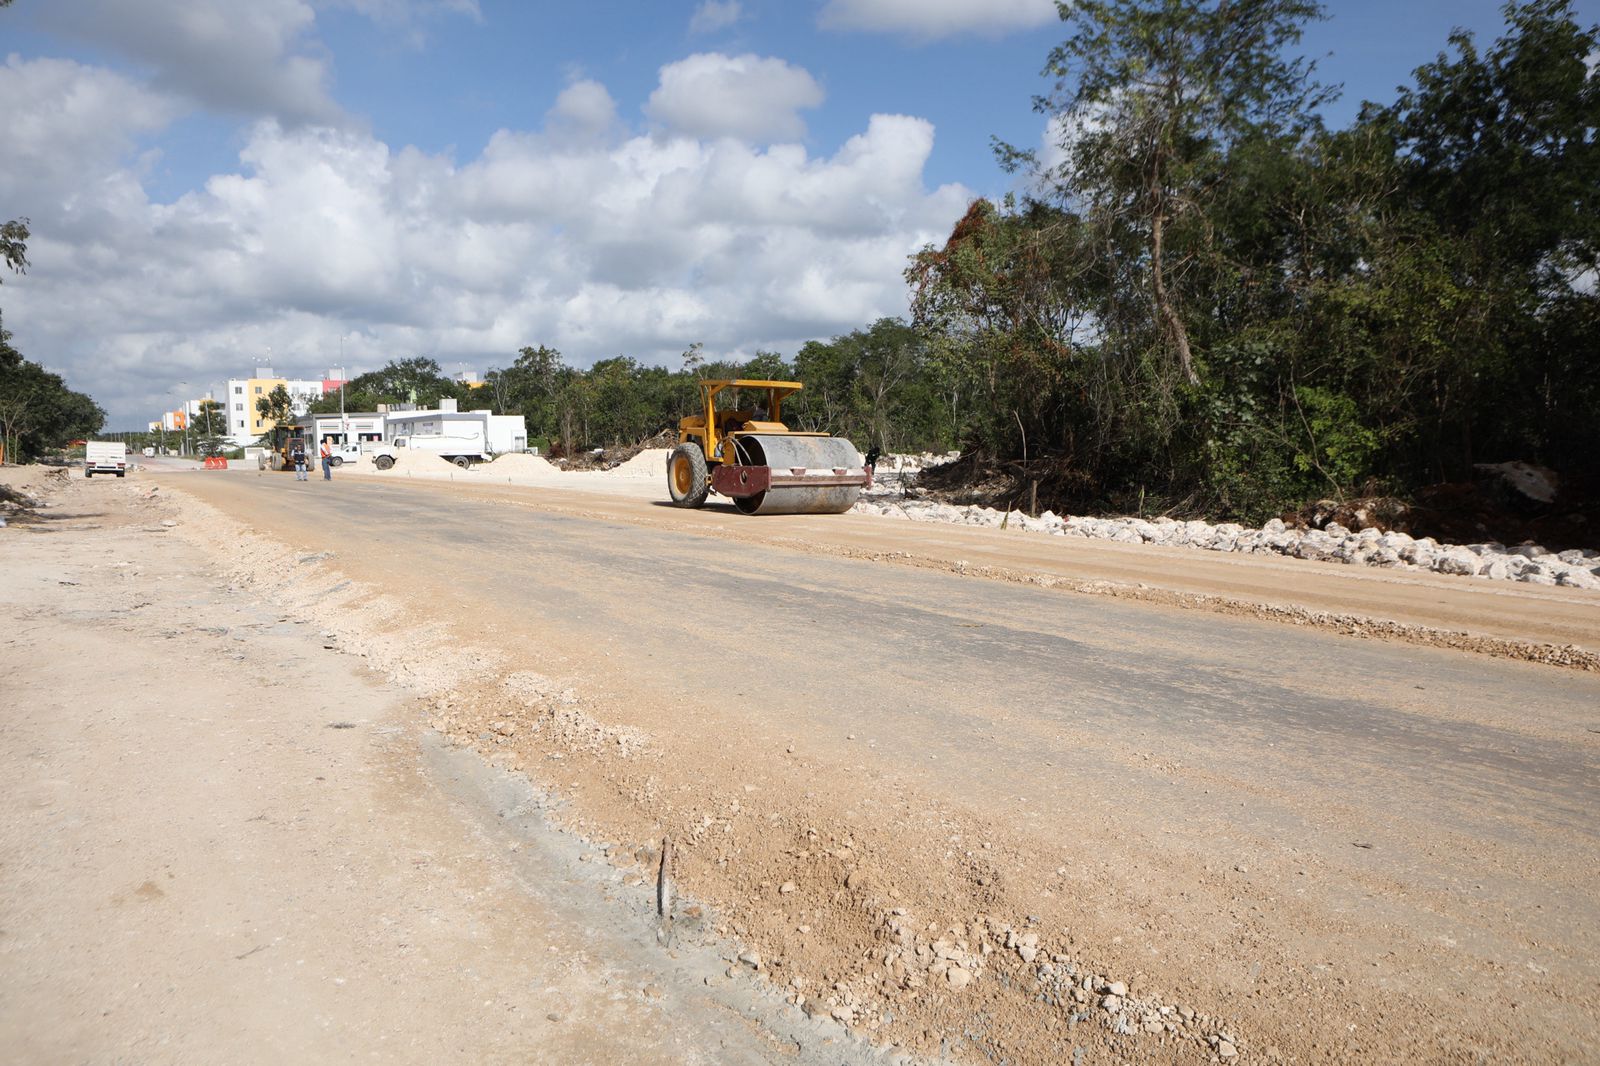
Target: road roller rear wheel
<point>687,480</point>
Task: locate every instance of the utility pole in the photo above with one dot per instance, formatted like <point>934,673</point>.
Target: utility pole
<point>344,423</point>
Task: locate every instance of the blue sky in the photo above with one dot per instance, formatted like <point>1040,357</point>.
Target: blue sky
<point>208,179</point>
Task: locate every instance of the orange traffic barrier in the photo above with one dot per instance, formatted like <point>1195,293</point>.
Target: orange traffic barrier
<point>216,462</point>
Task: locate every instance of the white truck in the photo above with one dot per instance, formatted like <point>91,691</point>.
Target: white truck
<point>346,453</point>
<point>462,450</point>
<point>105,457</point>
<point>462,437</point>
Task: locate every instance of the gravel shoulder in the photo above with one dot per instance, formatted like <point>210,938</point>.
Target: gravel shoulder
<point>1277,841</point>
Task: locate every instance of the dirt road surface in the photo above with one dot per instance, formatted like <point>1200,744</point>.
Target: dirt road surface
<point>962,808</point>
<point>226,843</point>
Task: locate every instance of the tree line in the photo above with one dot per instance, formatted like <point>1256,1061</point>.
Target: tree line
<point>874,385</point>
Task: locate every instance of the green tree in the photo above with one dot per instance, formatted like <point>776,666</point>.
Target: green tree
<point>534,387</point>
<point>415,380</point>
<point>37,409</point>
<point>210,427</point>
<point>1499,158</point>
<point>1150,96</point>
<point>1008,308</point>
<point>276,407</point>
<point>14,245</point>
<point>694,357</point>
<point>875,386</point>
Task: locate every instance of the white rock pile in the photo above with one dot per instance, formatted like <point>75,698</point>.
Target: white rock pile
<point>1578,568</point>
<point>910,464</point>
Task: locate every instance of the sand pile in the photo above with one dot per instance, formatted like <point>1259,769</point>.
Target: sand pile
<point>422,464</point>
<point>520,464</point>
<point>652,462</point>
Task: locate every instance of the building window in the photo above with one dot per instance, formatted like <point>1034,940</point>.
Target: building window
<point>258,390</point>
<point>238,390</point>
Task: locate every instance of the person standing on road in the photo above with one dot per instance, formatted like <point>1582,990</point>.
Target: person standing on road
<point>299,456</point>
<point>327,460</point>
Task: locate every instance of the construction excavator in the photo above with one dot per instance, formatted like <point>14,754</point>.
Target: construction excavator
<point>750,456</point>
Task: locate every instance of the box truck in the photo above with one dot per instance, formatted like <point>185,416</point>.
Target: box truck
<point>105,457</point>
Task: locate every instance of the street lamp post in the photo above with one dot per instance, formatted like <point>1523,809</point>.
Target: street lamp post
<point>184,407</point>
<point>344,423</point>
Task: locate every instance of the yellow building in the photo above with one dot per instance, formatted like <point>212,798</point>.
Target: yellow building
<point>245,423</point>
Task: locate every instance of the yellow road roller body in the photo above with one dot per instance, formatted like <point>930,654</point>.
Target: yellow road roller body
<point>749,455</point>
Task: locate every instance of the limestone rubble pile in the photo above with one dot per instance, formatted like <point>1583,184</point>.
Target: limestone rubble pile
<point>1528,563</point>
<point>911,464</point>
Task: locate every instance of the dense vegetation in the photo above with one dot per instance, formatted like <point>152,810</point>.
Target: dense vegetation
<point>1215,298</point>
<point>1213,301</point>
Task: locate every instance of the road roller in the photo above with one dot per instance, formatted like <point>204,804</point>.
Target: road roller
<point>747,454</point>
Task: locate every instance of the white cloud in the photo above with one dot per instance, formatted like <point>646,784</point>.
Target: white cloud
<point>63,122</point>
<point>607,243</point>
<point>931,19</point>
<point>749,97</point>
<point>253,59</point>
<point>714,15</point>
<point>584,108</point>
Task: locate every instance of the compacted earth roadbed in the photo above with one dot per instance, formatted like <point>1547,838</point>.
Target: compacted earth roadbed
<point>931,794</point>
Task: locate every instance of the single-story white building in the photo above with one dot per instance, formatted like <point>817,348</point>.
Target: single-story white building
<point>354,427</point>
